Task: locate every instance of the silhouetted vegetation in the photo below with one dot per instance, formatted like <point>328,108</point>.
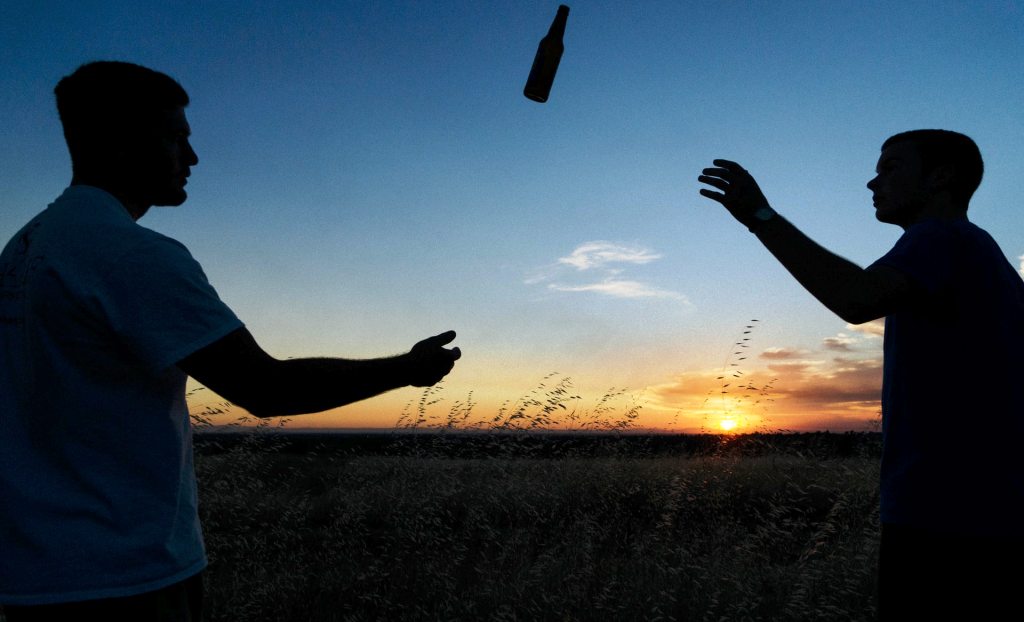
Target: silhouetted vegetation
<point>410,526</point>
<point>547,444</point>
<point>547,509</point>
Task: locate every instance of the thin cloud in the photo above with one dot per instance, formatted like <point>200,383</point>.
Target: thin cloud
<point>874,328</point>
<point>794,367</point>
<point>598,254</point>
<point>539,277</point>
<point>781,353</point>
<point>1021,259</point>
<point>845,365</point>
<point>850,382</point>
<point>609,261</point>
<point>840,342</point>
<point>621,288</point>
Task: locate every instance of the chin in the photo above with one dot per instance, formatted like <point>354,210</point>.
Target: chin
<point>171,199</point>
<point>900,219</point>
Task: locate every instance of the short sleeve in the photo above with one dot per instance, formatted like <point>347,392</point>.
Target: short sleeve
<point>926,254</point>
<point>160,304</point>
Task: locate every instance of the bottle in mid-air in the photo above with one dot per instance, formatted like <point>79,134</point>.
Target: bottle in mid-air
<point>545,64</point>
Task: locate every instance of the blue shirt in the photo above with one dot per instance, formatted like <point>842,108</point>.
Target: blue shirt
<point>97,487</point>
<point>953,385</point>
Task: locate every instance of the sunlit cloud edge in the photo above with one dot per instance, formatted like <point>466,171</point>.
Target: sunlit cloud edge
<point>622,288</point>
<point>599,253</point>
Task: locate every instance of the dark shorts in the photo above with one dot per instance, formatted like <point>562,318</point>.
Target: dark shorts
<point>924,575</point>
<point>181,602</point>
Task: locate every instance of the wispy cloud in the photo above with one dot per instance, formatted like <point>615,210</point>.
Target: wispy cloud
<point>844,383</point>
<point>1021,259</point>
<point>841,342</point>
<point>781,353</point>
<point>620,288</point>
<point>605,263</point>
<point>598,254</point>
<point>874,328</point>
<point>795,367</point>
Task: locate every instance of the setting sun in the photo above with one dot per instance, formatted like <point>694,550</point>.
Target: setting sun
<point>727,424</point>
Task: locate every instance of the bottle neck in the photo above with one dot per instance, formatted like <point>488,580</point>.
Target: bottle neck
<point>557,30</point>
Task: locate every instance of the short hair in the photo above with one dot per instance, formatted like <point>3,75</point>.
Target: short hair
<point>943,147</point>
<point>105,102</point>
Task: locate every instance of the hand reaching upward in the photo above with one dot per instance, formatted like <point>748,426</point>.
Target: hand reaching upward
<point>739,194</point>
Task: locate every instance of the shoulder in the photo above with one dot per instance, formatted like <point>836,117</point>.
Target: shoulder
<point>971,247</point>
<point>936,237</point>
<point>154,244</point>
<point>972,234</point>
<point>88,225</point>
<point>934,231</point>
<point>926,253</point>
<point>96,225</point>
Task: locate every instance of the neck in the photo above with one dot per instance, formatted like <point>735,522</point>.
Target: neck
<point>939,210</point>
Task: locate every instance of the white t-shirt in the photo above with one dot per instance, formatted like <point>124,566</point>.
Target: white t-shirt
<point>97,487</point>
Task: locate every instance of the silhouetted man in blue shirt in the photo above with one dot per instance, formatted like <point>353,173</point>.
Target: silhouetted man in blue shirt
<point>952,481</point>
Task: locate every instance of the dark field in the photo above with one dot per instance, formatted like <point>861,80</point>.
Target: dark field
<point>417,526</point>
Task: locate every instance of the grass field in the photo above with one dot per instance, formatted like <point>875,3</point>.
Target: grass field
<point>760,528</point>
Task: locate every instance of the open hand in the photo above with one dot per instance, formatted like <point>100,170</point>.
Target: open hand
<point>429,361</point>
<point>739,194</point>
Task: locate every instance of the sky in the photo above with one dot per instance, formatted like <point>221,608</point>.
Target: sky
<point>370,174</point>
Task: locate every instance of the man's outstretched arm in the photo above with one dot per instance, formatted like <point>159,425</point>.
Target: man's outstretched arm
<point>851,292</point>
<point>238,369</point>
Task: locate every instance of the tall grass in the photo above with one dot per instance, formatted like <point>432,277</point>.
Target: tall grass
<point>736,396</point>
<point>748,531</point>
<point>553,404</point>
<point>719,537</point>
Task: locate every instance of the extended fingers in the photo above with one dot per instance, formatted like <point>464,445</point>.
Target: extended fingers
<point>723,176</point>
<point>717,172</point>
<point>728,165</point>
<point>443,338</point>
<point>441,355</point>
<point>712,179</point>
<point>726,169</point>
<point>717,196</point>
<point>437,341</point>
<point>440,340</point>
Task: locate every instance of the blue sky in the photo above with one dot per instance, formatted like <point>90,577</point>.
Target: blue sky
<point>370,174</point>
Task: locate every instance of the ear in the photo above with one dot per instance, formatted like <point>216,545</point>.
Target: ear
<point>941,177</point>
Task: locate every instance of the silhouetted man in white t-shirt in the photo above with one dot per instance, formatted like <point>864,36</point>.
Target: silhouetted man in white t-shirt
<point>101,320</point>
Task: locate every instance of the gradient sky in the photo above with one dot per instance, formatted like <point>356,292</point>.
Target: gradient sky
<point>370,174</point>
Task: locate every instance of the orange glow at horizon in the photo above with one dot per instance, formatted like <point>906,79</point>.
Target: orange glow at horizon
<point>785,390</point>
<point>385,414</point>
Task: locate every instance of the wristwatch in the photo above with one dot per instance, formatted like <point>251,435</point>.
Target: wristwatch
<point>762,215</point>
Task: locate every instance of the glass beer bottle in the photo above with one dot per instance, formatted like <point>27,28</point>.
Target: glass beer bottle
<point>545,64</point>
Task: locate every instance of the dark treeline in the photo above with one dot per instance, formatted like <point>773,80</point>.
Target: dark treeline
<point>543,444</point>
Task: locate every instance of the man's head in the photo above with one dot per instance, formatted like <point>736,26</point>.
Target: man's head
<point>922,171</point>
<point>126,131</point>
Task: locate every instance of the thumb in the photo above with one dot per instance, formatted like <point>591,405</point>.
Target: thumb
<point>442,339</point>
